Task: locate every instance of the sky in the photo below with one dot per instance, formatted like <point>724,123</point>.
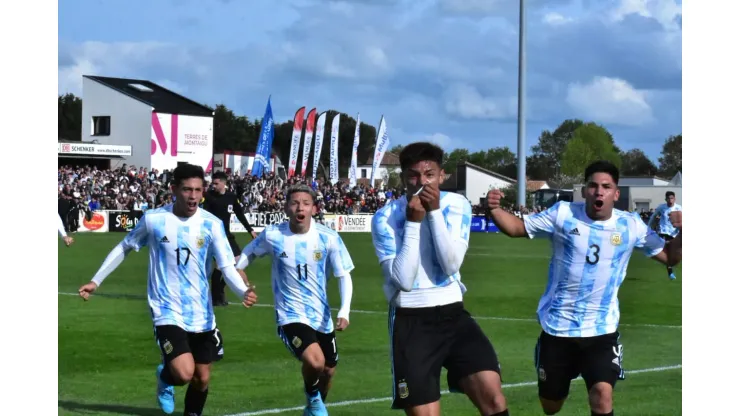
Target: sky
<point>439,70</point>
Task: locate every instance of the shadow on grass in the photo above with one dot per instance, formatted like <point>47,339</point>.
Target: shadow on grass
<point>95,408</point>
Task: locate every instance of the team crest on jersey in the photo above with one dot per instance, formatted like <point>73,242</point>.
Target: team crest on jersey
<point>616,239</point>
<point>297,342</point>
<point>403,389</point>
<point>542,375</point>
<point>317,255</point>
<point>167,347</point>
<point>201,241</point>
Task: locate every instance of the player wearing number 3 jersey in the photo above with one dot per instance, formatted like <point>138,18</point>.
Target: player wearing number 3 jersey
<point>579,312</point>
<point>303,252</point>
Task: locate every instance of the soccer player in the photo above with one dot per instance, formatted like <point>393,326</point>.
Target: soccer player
<point>666,230</point>
<point>62,233</point>
<point>302,251</point>
<point>421,240</point>
<point>222,204</point>
<point>579,311</point>
<point>182,239</point>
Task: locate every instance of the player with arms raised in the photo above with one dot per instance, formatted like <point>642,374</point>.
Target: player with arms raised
<point>301,252</point>
<point>421,240</point>
<point>182,240</point>
<point>666,230</point>
<point>579,311</point>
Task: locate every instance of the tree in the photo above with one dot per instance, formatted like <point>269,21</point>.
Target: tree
<point>396,149</point>
<point>69,119</point>
<point>452,159</point>
<point>551,145</point>
<point>636,163</point>
<point>589,143</point>
<point>670,159</point>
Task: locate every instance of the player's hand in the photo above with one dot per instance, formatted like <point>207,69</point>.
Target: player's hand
<point>342,324</point>
<point>429,197</point>
<point>250,297</point>
<point>494,199</point>
<point>254,235</point>
<point>86,290</point>
<point>415,211</point>
<point>68,240</point>
<point>675,218</point>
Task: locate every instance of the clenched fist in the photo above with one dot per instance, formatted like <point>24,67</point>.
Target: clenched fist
<point>675,218</point>
<point>494,199</point>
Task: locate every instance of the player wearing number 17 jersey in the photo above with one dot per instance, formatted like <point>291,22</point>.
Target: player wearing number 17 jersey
<point>303,252</point>
<point>182,239</point>
<point>579,312</point>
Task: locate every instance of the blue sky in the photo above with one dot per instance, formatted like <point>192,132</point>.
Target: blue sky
<point>440,70</point>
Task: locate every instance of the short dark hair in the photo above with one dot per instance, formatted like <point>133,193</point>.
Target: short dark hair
<point>670,193</point>
<point>219,175</point>
<point>185,171</point>
<point>300,188</point>
<point>420,151</point>
<point>602,166</point>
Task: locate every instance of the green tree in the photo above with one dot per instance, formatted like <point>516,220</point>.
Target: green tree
<point>589,143</point>
<point>670,156</point>
<point>452,159</point>
<point>636,163</point>
<point>69,119</point>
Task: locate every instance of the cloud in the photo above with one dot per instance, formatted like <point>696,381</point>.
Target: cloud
<point>466,102</point>
<point>610,101</point>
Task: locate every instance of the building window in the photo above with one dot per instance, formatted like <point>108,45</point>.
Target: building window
<point>363,173</point>
<point>101,126</point>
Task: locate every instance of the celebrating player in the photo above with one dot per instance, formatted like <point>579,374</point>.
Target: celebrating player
<point>301,251</point>
<point>666,230</point>
<point>182,239</point>
<point>222,204</point>
<point>421,240</point>
<point>579,312</point>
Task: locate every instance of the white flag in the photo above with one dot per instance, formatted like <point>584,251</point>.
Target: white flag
<point>334,155</point>
<point>381,144</point>
<point>319,141</point>
<point>355,145</point>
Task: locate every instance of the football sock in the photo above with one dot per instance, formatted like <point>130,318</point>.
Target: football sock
<point>312,388</point>
<point>670,270</point>
<point>504,413</point>
<point>166,376</point>
<point>195,401</point>
<point>602,414</point>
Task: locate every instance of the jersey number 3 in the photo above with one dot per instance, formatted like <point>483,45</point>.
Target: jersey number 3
<point>592,257</point>
<point>304,275</point>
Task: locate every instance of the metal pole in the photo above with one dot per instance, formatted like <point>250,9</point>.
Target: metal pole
<point>521,148</point>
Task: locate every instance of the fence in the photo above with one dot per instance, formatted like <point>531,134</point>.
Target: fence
<point>125,221</point>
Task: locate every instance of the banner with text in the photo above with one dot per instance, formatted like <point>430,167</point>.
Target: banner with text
<point>123,221</point>
<point>349,223</point>
<point>97,224</point>
<point>258,221</point>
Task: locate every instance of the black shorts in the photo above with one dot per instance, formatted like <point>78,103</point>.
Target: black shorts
<point>297,337</point>
<point>233,244</point>
<point>174,341</point>
<point>423,340</point>
<point>666,237</point>
<point>558,360</point>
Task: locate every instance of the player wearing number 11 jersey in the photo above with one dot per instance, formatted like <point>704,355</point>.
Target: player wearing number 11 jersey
<point>579,312</point>
<point>302,252</point>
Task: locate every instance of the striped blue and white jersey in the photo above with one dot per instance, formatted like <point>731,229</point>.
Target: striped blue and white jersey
<point>180,259</point>
<point>663,213</point>
<point>432,286</point>
<point>300,264</point>
<point>588,265</point>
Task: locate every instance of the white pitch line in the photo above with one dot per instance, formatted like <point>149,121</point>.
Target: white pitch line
<point>482,318</point>
<point>388,399</point>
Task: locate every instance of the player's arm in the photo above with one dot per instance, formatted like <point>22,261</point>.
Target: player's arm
<point>134,241</point>
<point>508,223</point>
<point>450,234</point>
<point>655,247</point>
<point>60,227</point>
<point>399,265</point>
<point>221,250</point>
<point>239,211</point>
<point>259,247</point>
<point>652,218</point>
<point>342,265</point>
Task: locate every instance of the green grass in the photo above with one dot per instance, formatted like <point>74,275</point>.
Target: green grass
<point>107,354</point>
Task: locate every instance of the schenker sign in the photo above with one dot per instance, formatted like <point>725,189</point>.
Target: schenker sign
<point>93,149</point>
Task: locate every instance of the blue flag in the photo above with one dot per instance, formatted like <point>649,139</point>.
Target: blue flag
<point>264,145</point>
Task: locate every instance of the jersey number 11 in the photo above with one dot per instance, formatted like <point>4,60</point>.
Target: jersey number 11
<point>302,276</point>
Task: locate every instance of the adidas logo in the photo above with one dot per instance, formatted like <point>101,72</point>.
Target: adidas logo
<point>164,240</point>
<point>574,232</point>
<point>283,255</point>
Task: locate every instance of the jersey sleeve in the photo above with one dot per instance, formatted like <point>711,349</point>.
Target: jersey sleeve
<point>457,218</point>
<point>220,247</point>
<point>340,259</point>
<point>259,247</point>
<point>542,223</point>
<point>647,239</point>
<point>384,236</point>
<point>137,238</point>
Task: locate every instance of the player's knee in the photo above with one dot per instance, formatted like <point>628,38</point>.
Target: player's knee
<point>329,372</point>
<point>182,375</point>
<point>551,407</point>
<point>201,380</point>
<point>600,397</point>
<point>313,357</point>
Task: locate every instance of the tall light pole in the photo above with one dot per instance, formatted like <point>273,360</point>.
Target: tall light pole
<point>521,148</point>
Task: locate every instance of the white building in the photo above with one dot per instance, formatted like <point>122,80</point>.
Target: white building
<point>641,194</point>
<point>161,127</point>
<point>474,182</point>
<point>389,163</point>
